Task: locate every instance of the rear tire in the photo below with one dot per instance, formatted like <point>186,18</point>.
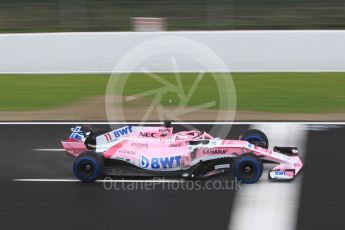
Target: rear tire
<point>248,168</point>
<point>88,167</point>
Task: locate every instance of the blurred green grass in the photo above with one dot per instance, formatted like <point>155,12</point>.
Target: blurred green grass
<point>31,92</point>
<point>270,92</point>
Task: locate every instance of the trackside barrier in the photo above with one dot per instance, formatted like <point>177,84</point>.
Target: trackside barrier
<point>241,51</point>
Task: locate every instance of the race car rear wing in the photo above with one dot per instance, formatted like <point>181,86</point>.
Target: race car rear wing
<point>74,148</point>
<point>75,144</point>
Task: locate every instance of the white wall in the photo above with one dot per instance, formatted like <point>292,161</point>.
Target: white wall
<point>239,50</point>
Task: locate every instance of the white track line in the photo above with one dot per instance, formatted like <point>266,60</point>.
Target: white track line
<point>99,181</point>
<point>177,123</point>
<point>50,150</point>
<point>271,205</point>
<point>108,73</point>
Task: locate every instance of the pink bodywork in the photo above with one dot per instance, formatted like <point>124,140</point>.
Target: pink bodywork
<point>73,147</point>
<point>157,148</point>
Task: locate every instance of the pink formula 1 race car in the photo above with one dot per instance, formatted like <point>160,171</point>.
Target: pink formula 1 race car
<point>157,151</point>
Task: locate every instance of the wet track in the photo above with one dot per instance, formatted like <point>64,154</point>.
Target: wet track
<point>67,205</point>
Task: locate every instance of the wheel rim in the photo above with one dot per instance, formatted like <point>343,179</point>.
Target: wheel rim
<point>248,170</point>
<point>86,169</point>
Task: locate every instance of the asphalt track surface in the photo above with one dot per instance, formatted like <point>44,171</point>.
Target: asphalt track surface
<point>74,205</point>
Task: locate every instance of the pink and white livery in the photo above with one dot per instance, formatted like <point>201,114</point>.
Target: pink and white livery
<point>157,151</point>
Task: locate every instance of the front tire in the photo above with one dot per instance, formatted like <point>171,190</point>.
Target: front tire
<point>256,137</point>
<point>88,167</point>
<point>248,168</point>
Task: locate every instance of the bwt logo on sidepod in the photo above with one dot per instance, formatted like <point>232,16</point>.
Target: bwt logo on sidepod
<point>118,133</point>
<point>123,131</point>
<point>160,162</point>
